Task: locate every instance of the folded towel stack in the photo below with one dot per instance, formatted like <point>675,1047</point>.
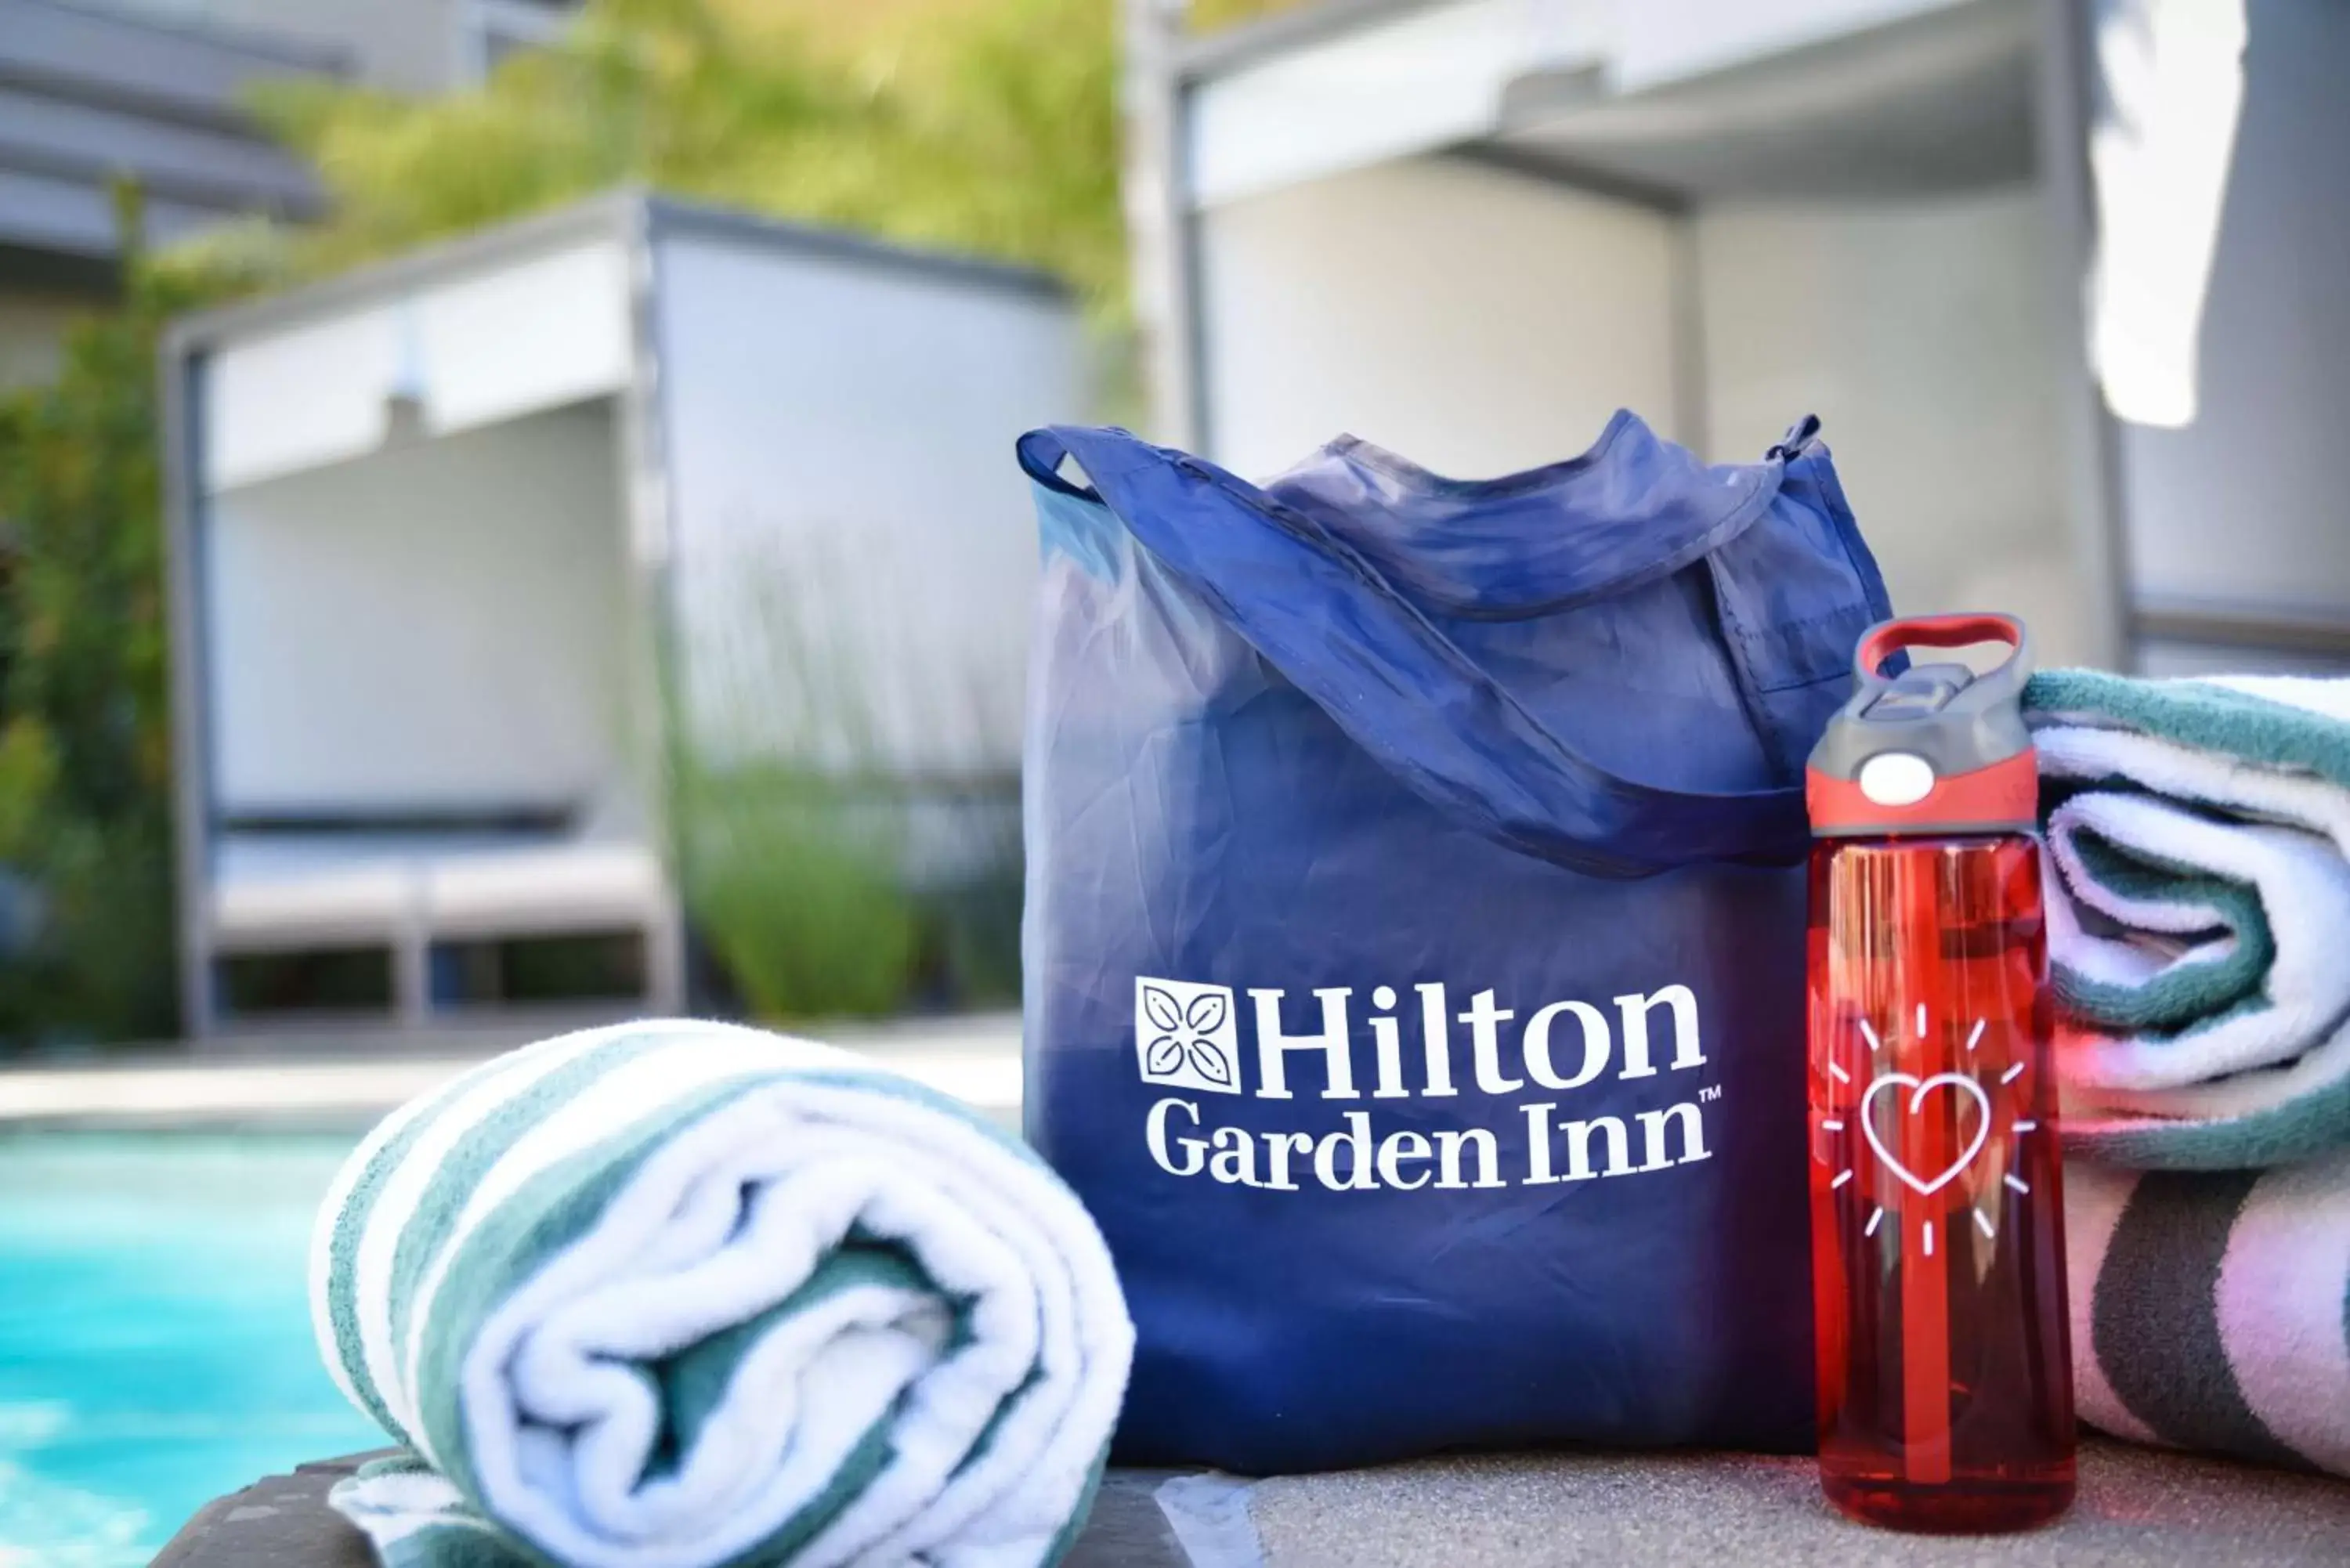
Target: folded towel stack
<point>670,1295</point>
<point>2198,918</point>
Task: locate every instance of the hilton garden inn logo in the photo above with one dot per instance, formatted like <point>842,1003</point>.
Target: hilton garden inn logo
<point>1187,1038</point>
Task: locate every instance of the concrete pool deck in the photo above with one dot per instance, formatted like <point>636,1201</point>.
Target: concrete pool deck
<point>2137,1509</point>
<point>286,1079</point>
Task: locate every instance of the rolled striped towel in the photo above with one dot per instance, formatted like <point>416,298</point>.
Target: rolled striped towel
<point>673,1294</point>
<point>2198,833</point>
<point>2208,1308</point>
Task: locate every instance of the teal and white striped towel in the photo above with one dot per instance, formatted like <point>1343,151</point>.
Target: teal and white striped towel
<point>2199,916</point>
<point>676,1295</point>
<point>2208,1308</point>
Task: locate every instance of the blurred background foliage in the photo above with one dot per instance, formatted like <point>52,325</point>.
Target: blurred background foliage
<point>981,125</point>
<point>1208,15</point>
<point>86,915</point>
<point>985,126</point>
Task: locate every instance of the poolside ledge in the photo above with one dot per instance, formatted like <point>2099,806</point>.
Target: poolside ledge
<point>975,1058</point>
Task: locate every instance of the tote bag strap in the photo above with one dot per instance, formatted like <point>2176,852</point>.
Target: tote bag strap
<point>1393,682</point>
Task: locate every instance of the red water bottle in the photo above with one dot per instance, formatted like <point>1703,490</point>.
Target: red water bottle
<point>1938,1214</point>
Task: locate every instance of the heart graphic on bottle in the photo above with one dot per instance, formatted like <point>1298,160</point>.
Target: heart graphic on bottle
<point>1918,1089</point>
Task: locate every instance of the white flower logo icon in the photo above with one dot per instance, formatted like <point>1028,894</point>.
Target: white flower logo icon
<point>1184,1035</point>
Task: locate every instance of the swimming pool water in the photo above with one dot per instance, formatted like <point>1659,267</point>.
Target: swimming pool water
<point>155,1346</point>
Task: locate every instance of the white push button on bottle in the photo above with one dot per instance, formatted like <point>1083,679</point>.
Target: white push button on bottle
<point>1897,778</point>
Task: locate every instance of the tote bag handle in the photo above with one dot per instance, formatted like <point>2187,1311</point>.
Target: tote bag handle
<point>1313,606</point>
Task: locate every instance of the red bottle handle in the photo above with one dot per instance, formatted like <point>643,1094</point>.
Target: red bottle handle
<point>1889,637</point>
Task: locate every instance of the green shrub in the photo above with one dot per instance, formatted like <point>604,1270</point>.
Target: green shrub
<point>85,726</point>
<point>795,881</point>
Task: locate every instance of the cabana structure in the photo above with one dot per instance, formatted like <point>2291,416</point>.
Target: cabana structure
<point>2064,279</point>
<point>473,552</point>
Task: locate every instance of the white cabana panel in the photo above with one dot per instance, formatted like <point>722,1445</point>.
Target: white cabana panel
<point>1475,320</point>
<point>858,596</point>
<point>1661,41</point>
<point>531,336</point>
<point>1924,333</point>
<point>1440,76</point>
<point>543,332</point>
<point>428,627</point>
<point>2245,506</point>
<point>293,399</point>
<point>1429,78</point>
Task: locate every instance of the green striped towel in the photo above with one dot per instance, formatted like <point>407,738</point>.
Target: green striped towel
<point>2208,1308</point>
<point>675,1295</point>
<point>2198,918</point>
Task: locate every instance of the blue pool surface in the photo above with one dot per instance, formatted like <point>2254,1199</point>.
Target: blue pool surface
<point>155,1346</point>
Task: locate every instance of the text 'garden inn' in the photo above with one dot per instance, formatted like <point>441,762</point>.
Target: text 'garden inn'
<point>1187,1038</point>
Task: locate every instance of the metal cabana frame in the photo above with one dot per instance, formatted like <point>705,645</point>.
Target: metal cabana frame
<point>647,242</point>
<point>1597,99</point>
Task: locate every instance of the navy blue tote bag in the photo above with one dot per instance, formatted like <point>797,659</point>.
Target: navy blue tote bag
<point>1414,937</point>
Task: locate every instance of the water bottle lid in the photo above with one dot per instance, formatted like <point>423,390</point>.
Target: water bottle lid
<point>1934,749</point>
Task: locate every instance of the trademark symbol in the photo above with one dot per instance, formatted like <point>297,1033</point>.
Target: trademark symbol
<point>1710,1092</point>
